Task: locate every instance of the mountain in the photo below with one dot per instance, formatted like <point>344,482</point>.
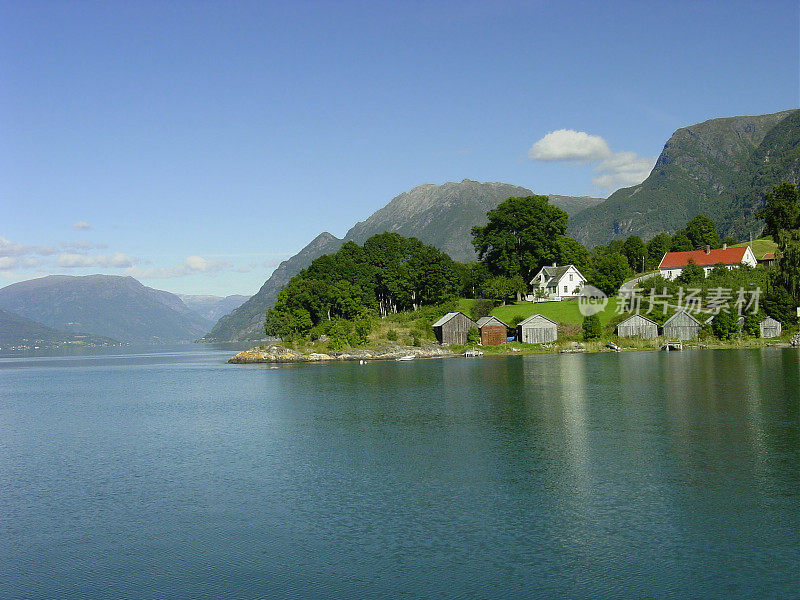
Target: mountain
<point>721,168</point>
<point>212,308</point>
<point>440,215</point>
<point>16,330</point>
<point>120,308</point>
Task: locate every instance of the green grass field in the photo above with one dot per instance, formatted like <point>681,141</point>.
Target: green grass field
<point>761,246</point>
<point>565,312</point>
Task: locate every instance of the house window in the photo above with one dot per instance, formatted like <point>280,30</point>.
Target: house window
<point>570,276</point>
<point>565,289</point>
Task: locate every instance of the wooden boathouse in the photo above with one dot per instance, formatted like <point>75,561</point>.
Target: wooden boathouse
<point>770,328</point>
<point>537,329</point>
<point>682,326</point>
<point>638,326</point>
<point>493,331</point>
<point>453,328</point>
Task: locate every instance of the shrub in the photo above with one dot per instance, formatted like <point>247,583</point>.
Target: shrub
<point>592,329</point>
<point>752,324</point>
<point>473,336</point>
<point>725,325</point>
<point>391,335</point>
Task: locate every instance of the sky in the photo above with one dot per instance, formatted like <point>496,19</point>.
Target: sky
<point>195,145</point>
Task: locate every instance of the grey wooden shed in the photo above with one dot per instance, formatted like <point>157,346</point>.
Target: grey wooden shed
<point>770,328</point>
<point>537,329</point>
<point>453,328</point>
<point>638,326</point>
<point>682,326</point>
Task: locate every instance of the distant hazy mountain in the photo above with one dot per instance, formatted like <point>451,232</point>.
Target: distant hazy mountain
<point>440,215</point>
<point>212,308</point>
<point>16,330</point>
<point>120,308</point>
<point>721,168</point>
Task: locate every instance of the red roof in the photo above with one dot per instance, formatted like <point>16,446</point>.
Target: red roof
<point>768,256</point>
<point>728,256</point>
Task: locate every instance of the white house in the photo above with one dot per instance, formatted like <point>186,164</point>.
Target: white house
<point>672,264</point>
<point>556,283</point>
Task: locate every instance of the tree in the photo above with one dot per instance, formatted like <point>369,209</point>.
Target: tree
<point>657,248</point>
<point>691,273</point>
<point>635,251</point>
<point>481,308</point>
<point>725,325</point>
<point>729,240</point>
<point>719,270</point>
<point>752,324</point>
<point>572,252</point>
<point>702,232</point>
<point>505,288</point>
<point>608,271</point>
<point>473,336</point>
<point>680,242</point>
<point>779,304</point>
<point>592,329</point>
<point>788,273</point>
<point>781,211</point>
<point>522,234</point>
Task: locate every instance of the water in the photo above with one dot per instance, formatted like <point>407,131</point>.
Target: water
<point>174,475</point>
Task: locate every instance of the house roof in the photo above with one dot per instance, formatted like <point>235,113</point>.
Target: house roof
<point>555,273</point>
<point>768,256</point>
<point>488,321</point>
<point>728,256</point>
<point>678,315</point>
<point>770,321</point>
<point>532,317</point>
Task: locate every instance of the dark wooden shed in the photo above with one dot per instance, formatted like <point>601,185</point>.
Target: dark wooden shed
<point>682,326</point>
<point>537,329</point>
<point>638,326</point>
<point>493,331</point>
<point>453,328</point>
<point>770,328</point>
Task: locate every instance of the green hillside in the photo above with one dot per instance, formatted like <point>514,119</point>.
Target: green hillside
<point>721,168</point>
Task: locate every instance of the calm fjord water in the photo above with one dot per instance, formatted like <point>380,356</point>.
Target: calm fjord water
<point>174,475</point>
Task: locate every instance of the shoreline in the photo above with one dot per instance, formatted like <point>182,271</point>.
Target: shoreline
<point>277,353</point>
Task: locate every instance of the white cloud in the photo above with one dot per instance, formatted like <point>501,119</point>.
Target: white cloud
<point>570,145</point>
<point>190,266</point>
<point>614,169</point>
<point>117,260</point>
<point>623,169</point>
<point>82,245</point>
<point>18,262</point>
<point>81,226</point>
<point>8,248</point>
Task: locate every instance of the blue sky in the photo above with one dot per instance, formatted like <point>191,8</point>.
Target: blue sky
<point>194,145</point>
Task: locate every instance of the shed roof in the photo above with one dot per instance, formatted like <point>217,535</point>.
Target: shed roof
<point>680,314</point>
<point>632,317</point>
<point>770,321</point>
<point>489,321</point>
<point>728,256</point>
<point>449,316</point>
<point>532,317</point>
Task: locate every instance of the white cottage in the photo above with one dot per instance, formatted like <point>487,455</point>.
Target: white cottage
<point>672,263</point>
<point>556,283</point>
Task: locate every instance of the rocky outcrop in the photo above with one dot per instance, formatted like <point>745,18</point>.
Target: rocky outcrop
<point>281,354</point>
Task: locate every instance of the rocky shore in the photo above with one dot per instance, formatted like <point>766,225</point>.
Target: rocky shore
<point>281,354</point>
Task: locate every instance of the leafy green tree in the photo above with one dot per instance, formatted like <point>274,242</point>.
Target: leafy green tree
<point>572,252</point>
<point>635,251</point>
<point>592,329</point>
<point>729,240</point>
<point>719,270</point>
<point>608,271</point>
<point>781,211</point>
<point>522,234</point>
<point>702,232</point>
<point>681,242</point>
<point>725,325</point>
<point>481,308</point>
<point>752,324</point>
<point>473,336</point>
<point>788,272</point>
<point>780,305</point>
<point>691,273</point>
<point>657,248</point>
<point>505,289</point>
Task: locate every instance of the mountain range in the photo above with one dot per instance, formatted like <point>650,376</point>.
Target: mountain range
<point>721,168</point>
<point>109,306</point>
<point>440,215</point>
<point>16,330</point>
